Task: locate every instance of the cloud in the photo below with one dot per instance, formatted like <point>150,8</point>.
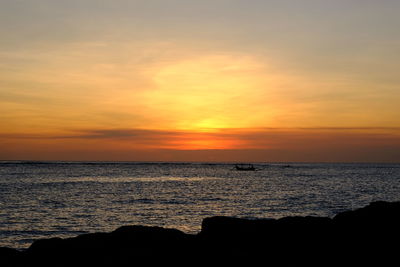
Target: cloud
<point>244,138</point>
<point>378,144</point>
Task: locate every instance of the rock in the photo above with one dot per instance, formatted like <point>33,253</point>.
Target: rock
<point>370,231</point>
<point>123,245</point>
<point>359,236</point>
<point>9,257</point>
<point>376,213</point>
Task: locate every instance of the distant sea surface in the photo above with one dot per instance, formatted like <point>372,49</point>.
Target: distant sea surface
<point>65,199</point>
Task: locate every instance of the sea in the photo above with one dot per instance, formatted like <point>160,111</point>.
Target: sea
<point>65,199</point>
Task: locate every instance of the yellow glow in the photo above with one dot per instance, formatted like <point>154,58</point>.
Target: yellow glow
<point>200,101</point>
<point>209,93</point>
<point>210,124</point>
<point>206,139</point>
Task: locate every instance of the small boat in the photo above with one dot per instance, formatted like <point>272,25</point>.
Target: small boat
<point>245,167</point>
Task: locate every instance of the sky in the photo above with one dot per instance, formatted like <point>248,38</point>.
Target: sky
<point>210,80</point>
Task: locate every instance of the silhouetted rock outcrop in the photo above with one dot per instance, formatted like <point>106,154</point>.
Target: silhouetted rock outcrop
<point>9,256</point>
<point>367,235</point>
<point>124,245</point>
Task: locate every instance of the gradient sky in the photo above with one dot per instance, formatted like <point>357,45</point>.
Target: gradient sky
<point>210,80</point>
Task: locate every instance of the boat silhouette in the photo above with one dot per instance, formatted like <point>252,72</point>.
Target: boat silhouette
<point>245,167</point>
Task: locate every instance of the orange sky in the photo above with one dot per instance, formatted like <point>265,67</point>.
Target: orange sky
<point>239,81</point>
<point>256,145</point>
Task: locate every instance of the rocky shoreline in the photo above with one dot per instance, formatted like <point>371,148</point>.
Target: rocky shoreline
<point>367,235</point>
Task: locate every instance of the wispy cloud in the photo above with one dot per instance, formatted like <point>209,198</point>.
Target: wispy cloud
<point>267,144</point>
<point>259,138</point>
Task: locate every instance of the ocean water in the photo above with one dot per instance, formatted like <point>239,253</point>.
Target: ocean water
<point>64,199</point>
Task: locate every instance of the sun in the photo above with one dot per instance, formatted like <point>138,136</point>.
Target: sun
<point>211,124</point>
<point>207,93</point>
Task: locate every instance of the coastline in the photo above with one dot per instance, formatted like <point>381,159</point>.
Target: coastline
<point>366,233</point>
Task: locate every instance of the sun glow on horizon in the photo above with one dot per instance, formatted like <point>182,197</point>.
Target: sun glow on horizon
<point>123,76</point>
<point>209,93</point>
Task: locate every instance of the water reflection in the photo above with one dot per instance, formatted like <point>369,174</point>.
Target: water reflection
<point>63,200</point>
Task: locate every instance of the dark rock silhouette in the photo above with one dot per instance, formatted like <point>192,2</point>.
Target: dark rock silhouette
<point>10,257</point>
<point>367,235</point>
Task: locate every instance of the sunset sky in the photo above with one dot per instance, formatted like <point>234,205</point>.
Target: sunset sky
<point>209,80</point>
